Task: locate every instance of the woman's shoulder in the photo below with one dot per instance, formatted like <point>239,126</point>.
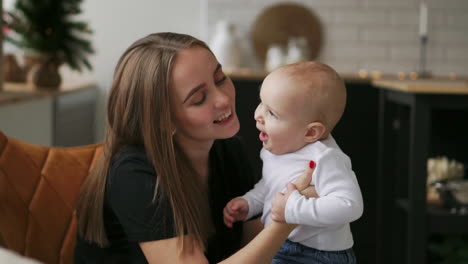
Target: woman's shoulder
<point>130,152</point>
<point>131,163</point>
<point>130,155</point>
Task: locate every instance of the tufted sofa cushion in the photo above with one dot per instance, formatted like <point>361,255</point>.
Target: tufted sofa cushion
<point>39,186</point>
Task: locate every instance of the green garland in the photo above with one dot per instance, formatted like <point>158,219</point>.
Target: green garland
<point>48,27</point>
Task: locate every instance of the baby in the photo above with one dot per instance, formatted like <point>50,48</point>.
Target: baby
<point>300,105</point>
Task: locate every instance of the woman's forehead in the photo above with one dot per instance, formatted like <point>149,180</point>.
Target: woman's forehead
<point>191,64</point>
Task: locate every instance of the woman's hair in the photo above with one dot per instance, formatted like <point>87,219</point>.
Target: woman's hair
<point>139,113</point>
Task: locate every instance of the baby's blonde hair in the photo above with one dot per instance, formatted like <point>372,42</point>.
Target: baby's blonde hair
<point>325,91</point>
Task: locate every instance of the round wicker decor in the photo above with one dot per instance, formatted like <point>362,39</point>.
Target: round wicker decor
<point>276,24</point>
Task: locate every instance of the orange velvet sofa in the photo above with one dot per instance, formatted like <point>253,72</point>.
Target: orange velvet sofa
<point>39,186</point>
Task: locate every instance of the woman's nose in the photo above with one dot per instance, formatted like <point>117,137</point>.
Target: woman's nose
<point>222,99</point>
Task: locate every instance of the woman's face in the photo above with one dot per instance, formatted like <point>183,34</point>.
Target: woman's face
<point>202,98</point>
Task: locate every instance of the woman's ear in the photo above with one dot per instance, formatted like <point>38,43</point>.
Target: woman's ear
<point>315,131</point>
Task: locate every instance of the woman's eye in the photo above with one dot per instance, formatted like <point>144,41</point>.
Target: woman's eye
<point>220,81</point>
<point>201,100</point>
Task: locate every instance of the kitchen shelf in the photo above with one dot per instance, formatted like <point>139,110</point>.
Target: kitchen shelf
<point>439,219</point>
<point>406,135</point>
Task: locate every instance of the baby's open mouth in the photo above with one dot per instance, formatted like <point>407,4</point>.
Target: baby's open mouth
<point>263,136</point>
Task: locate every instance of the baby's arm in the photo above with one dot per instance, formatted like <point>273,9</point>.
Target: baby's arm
<point>340,198</point>
<point>244,207</point>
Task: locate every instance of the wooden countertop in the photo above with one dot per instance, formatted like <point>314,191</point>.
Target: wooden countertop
<point>19,92</point>
<point>428,86</point>
<point>256,75</point>
<point>435,85</point>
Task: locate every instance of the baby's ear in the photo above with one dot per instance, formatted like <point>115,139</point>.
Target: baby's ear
<point>315,131</point>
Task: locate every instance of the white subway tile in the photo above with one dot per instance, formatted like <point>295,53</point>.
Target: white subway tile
<point>340,4</point>
<point>391,35</point>
<point>361,17</point>
<point>375,34</point>
<point>390,3</point>
<point>348,50</point>
<point>436,54</point>
<point>447,4</point>
<point>404,53</point>
<point>459,54</point>
<point>457,67</point>
<point>342,66</point>
<point>458,18</point>
<point>389,67</point>
<point>334,33</point>
<point>399,17</point>
<point>451,36</point>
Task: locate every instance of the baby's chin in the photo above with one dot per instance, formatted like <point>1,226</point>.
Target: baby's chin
<point>281,151</point>
<point>277,151</point>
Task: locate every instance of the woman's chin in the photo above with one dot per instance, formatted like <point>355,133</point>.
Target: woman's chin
<point>233,129</point>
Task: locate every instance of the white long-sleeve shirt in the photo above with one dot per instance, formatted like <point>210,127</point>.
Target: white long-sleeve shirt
<point>324,221</point>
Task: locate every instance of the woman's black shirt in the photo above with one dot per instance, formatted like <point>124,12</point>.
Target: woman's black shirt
<point>131,217</point>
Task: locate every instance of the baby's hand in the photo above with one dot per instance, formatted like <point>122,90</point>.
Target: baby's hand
<point>235,210</point>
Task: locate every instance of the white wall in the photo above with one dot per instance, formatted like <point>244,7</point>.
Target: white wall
<point>118,23</point>
<point>37,130</point>
<point>377,35</point>
<point>359,34</point>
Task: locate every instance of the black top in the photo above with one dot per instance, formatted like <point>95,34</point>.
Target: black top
<point>131,217</point>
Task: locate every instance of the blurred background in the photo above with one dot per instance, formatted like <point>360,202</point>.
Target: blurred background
<point>374,35</point>
<point>412,47</point>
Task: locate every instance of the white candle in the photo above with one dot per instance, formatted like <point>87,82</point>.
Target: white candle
<point>423,19</point>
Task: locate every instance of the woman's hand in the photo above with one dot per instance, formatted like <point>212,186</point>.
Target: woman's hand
<point>302,184</point>
<point>279,203</point>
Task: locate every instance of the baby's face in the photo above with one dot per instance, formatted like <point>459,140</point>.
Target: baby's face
<point>280,117</point>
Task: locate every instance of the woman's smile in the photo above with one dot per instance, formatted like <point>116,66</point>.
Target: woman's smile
<point>224,118</point>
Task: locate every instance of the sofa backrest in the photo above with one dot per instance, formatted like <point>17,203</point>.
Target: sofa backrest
<point>39,186</point>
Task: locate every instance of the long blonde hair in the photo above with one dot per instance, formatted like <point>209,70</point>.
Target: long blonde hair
<point>138,112</point>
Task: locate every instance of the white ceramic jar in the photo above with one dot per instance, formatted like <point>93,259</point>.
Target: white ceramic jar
<point>226,45</point>
<point>275,57</point>
<point>297,50</point>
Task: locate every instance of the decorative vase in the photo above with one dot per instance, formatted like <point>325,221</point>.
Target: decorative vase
<point>29,60</point>
<point>226,46</point>
<point>297,50</point>
<point>12,72</point>
<point>275,57</point>
<point>45,74</point>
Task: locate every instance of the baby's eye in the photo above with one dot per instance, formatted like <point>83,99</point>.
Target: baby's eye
<point>271,113</point>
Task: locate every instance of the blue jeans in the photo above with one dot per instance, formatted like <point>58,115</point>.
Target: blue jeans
<point>295,253</point>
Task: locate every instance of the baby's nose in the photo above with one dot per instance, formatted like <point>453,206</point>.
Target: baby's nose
<point>258,114</point>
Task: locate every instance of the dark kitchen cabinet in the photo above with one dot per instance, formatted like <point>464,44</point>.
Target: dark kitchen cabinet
<point>413,126</point>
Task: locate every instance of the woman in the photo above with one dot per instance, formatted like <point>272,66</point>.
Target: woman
<point>170,164</point>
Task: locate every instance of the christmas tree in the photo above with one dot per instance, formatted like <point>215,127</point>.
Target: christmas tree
<point>50,27</point>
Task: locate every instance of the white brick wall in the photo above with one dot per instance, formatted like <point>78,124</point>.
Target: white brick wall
<point>374,35</point>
